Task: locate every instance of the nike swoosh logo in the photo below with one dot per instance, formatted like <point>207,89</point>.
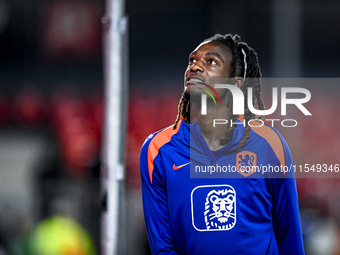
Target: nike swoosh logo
<point>178,167</point>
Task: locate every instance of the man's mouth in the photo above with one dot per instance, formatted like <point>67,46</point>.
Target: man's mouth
<point>194,80</point>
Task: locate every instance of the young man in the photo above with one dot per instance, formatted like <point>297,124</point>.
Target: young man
<point>202,189</point>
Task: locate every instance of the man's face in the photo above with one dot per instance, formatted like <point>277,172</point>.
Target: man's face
<point>210,63</point>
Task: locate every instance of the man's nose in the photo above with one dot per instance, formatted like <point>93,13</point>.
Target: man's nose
<point>197,67</point>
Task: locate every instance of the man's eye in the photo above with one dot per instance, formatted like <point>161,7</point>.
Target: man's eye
<point>212,62</point>
<point>192,60</point>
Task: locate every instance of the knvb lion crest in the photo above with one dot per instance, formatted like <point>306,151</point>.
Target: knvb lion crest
<point>246,162</point>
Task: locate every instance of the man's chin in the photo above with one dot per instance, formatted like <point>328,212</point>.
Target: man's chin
<point>193,95</point>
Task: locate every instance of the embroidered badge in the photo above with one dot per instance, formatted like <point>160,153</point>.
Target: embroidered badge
<point>246,162</point>
<point>213,208</point>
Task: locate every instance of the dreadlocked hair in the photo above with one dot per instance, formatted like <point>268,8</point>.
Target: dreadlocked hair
<point>253,71</point>
<point>183,111</point>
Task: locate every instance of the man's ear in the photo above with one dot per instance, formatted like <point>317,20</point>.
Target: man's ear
<point>239,82</point>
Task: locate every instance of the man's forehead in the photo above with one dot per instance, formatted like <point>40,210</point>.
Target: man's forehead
<point>200,45</point>
<point>214,46</point>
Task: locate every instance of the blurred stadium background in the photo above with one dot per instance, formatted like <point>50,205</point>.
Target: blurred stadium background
<point>51,106</point>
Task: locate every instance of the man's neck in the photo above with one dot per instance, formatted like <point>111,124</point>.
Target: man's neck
<point>211,134</point>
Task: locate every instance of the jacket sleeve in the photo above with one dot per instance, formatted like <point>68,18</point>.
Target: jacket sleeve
<point>285,210</point>
<point>155,205</point>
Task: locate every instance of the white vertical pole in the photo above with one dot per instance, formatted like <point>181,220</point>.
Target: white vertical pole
<point>112,170</point>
